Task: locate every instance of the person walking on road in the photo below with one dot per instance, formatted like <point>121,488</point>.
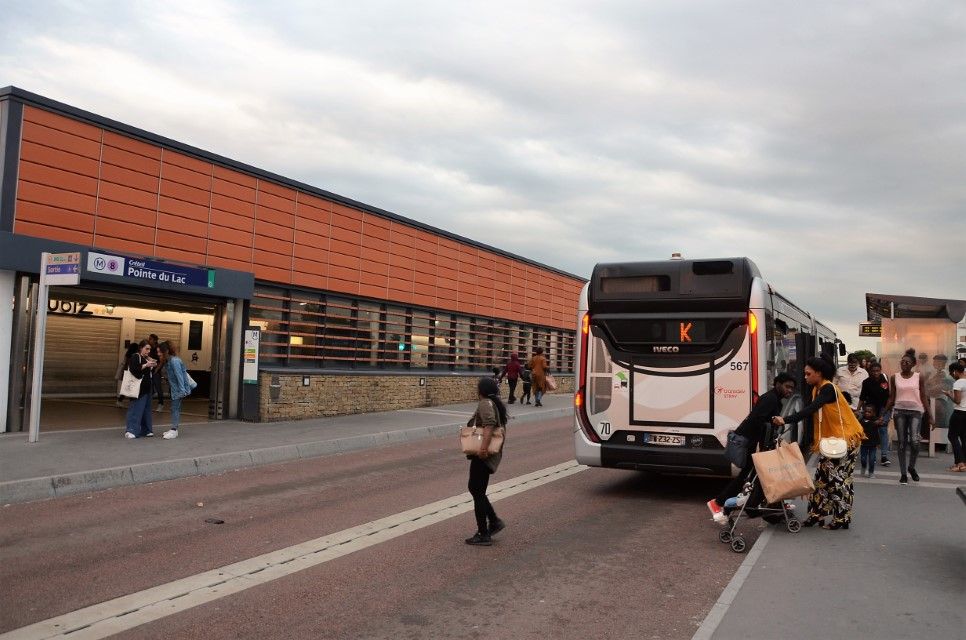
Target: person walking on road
<point>179,386</point>
<point>511,371</point>
<point>490,414</point>
<point>754,427</point>
<point>907,400</point>
<point>957,422</point>
<point>875,392</point>
<point>142,366</point>
<point>833,493</point>
<point>539,368</point>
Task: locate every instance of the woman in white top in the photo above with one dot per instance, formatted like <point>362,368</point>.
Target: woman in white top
<point>957,423</point>
<point>907,396</point>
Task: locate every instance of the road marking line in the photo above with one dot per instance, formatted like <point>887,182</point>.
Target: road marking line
<point>126,612</point>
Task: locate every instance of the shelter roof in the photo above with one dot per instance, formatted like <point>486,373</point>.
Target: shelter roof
<point>881,305</point>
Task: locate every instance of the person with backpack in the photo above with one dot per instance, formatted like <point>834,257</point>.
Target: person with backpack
<point>180,386</point>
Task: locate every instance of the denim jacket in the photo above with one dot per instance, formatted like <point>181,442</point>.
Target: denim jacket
<point>178,378</point>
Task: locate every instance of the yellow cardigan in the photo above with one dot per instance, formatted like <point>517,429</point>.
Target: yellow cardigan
<point>836,420</point>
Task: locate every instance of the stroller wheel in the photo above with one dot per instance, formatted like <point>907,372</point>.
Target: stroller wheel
<point>738,545</point>
<point>724,536</point>
<point>794,525</point>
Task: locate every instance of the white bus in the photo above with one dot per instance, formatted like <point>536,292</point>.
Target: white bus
<point>673,354</point>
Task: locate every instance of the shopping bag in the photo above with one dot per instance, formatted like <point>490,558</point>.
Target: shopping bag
<point>551,383</point>
<point>130,385</point>
<point>191,382</point>
<point>782,472</point>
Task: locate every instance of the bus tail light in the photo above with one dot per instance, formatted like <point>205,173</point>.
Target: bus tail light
<point>580,406</point>
<point>753,337</point>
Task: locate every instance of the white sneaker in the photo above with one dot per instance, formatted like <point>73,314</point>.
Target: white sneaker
<point>119,404</point>
<point>129,435</point>
<point>170,434</point>
<point>159,409</point>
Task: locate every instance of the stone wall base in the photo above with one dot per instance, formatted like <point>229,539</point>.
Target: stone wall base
<point>283,396</point>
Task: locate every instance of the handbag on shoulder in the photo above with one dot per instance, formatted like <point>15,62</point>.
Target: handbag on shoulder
<point>130,385</point>
<point>833,448</point>
<point>471,438</point>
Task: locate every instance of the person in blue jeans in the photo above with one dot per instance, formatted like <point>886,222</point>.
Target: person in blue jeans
<point>867,449</point>
<point>142,366</point>
<point>875,392</point>
<point>180,386</point>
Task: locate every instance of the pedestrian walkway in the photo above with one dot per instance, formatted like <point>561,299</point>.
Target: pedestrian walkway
<point>898,572</point>
<point>75,461</point>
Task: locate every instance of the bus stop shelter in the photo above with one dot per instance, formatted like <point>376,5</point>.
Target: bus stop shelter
<point>927,325</point>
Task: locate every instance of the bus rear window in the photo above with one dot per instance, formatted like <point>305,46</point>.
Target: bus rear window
<point>635,284</point>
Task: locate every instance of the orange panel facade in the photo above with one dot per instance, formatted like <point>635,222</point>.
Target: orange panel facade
<point>91,185</point>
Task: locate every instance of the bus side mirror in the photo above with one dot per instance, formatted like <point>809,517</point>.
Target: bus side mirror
<point>842,351</point>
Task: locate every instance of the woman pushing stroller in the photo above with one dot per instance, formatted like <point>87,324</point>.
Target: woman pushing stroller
<point>755,428</point>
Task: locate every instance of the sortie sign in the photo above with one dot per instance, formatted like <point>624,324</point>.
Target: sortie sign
<point>141,269</point>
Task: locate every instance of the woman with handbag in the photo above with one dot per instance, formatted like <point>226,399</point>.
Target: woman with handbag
<point>141,367</point>
<point>835,436</point>
<point>179,383</point>
<point>490,414</point>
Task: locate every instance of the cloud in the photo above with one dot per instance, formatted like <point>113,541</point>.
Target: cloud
<point>825,141</point>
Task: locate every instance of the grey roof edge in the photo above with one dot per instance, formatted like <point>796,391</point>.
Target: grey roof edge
<point>954,310</point>
<point>37,100</point>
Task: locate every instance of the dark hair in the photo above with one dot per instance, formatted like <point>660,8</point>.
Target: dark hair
<point>852,358</point>
<point>538,350</point>
<point>911,354</point>
<point>153,335</point>
<point>847,396</point>
<point>488,389</point>
<point>167,347</point>
<point>956,367</point>
<point>782,378</point>
<point>143,344</point>
<point>822,364</point>
<point>132,348</point>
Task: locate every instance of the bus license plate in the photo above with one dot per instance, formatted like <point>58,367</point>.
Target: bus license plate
<point>665,439</point>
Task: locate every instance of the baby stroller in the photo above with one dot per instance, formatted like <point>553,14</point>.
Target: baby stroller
<point>751,504</point>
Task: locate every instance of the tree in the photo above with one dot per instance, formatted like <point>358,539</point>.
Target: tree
<point>864,353</point>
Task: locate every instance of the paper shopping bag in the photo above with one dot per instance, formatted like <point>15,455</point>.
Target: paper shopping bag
<point>782,473</point>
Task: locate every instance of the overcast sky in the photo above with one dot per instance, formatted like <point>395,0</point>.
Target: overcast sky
<point>825,140</point>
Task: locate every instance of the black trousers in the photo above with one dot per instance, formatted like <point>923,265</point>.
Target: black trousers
<point>159,388</point>
<point>513,388</point>
<point>479,481</point>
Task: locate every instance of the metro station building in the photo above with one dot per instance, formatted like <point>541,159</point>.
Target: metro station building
<point>355,308</point>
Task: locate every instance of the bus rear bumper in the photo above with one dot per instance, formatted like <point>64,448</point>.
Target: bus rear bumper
<point>665,459</point>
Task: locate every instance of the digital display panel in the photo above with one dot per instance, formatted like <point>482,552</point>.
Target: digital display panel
<point>660,331</point>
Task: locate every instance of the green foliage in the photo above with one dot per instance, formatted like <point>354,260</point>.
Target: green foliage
<point>864,353</point>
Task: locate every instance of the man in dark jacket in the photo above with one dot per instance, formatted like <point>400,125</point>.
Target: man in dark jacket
<point>755,428</point>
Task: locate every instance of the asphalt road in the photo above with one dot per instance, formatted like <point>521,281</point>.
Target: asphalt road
<point>600,553</point>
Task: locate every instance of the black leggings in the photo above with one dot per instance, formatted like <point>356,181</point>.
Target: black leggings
<point>513,388</point>
<point>957,435</point>
<point>479,481</point>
